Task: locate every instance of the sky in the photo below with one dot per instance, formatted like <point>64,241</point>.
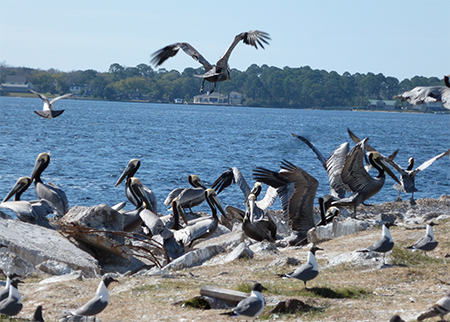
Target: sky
<point>398,38</point>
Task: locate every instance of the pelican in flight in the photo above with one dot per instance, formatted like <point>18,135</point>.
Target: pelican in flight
<point>220,72</point>
<point>48,112</point>
<point>204,228</point>
<point>129,172</point>
<point>427,94</point>
<point>233,175</point>
<point>48,191</point>
<point>356,177</point>
<point>296,189</point>
<point>408,175</point>
<point>333,165</point>
<point>189,197</point>
<point>34,212</point>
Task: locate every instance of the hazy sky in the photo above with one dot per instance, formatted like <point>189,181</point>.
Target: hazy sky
<point>399,38</point>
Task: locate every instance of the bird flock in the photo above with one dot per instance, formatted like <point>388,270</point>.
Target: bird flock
<point>350,181</point>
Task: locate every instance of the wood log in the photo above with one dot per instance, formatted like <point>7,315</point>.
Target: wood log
<point>223,294</point>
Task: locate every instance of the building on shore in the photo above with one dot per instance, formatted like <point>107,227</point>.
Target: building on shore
<point>234,98</point>
<point>16,84</point>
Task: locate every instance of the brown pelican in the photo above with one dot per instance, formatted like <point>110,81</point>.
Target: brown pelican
<point>189,197</point>
<point>48,111</point>
<point>142,214</point>
<point>233,175</point>
<point>333,165</point>
<point>355,176</point>
<point>408,176</point>
<point>129,172</point>
<point>256,224</point>
<point>326,215</point>
<point>221,71</point>
<point>427,94</point>
<point>34,212</point>
<point>48,191</point>
<point>297,190</point>
<point>204,228</point>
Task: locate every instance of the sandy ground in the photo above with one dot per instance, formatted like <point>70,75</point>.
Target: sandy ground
<point>408,285</point>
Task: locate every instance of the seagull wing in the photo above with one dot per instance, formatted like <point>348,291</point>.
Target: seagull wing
<point>60,98</point>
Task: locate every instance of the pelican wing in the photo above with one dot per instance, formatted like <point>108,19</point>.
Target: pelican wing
<point>60,98</point>
<point>165,53</point>
<point>334,165</point>
<point>230,176</point>
<point>252,38</point>
<point>423,94</point>
<point>353,173</point>
<point>319,154</point>
<point>172,195</point>
<point>357,140</point>
<point>426,164</point>
<point>269,198</point>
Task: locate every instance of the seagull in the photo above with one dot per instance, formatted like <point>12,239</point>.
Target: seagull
<point>427,242</point>
<point>221,71</point>
<point>5,292</point>
<point>37,316</point>
<point>441,308</point>
<point>49,112</point>
<point>99,302</point>
<point>12,305</point>
<point>308,271</point>
<point>251,306</point>
<point>427,94</point>
<point>384,244</point>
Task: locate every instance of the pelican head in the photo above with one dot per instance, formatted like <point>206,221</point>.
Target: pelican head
<point>214,201</point>
<point>257,187</point>
<point>138,188</point>
<point>378,161</point>
<point>21,185</point>
<point>130,170</point>
<point>195,181</point>
<point>41,164</point>
<point>410,164</point>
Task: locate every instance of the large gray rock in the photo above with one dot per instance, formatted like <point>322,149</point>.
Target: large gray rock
<point>228,241</point>
<point>337,229</point>
<point>11,263</point>
<point>35,245</point>
<point>194,258</point>
<point>241,251</point>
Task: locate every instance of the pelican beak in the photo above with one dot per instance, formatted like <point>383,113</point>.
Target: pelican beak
<point>216,201</point>
<point>387,168</point>
<point>22,184</point>
<point>130,167</point>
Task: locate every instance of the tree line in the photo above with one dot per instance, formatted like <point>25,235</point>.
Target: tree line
<point>262,86</point>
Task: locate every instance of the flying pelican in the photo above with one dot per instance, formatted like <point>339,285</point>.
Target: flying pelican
<point>142,215</point>
<point>129,172</point>
<point>50,191</point>
<point>426,94</point>
<point>256,224</point>
<point>233,175</point>
<point>296,189</point>
<point>309,270</point>
<point>221,71</point>
<point>251,306</point>
<point>189,197</point>
<point>99,302</point>
<point>408,176</point>
<point>355,176</point>
<point>204,228</point>
<point>49,112</point>
<point>34,212</point>
<point>333,165</point>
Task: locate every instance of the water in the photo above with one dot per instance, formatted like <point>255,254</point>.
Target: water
<point>92,141</point>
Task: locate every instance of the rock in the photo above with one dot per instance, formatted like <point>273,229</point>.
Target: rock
<point>228,241</point>
<point>79,319</point>
<point>35,244</point>
<point>194,258</point>
<point>280,262</point>
<point>264,246</point>
<point>291,306</point>
<point>53,267</point>
<point>337,229</point>
<point>12,263</point>
<point>241,251</point>
<point>62,278</point>
<point>369,259</point>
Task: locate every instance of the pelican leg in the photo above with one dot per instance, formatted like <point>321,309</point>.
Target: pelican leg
<point>203,85</point>
<point>399,198</point>
<point>212,90</point>
<point>412,201</point>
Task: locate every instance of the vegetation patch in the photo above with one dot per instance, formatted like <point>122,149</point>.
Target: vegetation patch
<point>197,302</point>
<point>406,257</point>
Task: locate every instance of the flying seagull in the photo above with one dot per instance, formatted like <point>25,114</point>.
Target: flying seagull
<point>251,306</point>
<point>220,72</point>
<point>48,112</point>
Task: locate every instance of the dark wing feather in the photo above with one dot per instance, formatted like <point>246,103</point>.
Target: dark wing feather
<point>165,53</point>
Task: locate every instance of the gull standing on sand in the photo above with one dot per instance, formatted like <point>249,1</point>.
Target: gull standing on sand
<point>48,112</point>
<point>427,242</point>
<point>5,292</point>
<point>12,305</point>
<point>382,245</point>
<point>441,308</point>
<point>251,306</point>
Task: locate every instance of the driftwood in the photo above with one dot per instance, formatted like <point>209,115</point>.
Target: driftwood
<point>223,294</point>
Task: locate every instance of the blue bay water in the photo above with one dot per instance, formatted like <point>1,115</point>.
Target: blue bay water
<point>92,142</point>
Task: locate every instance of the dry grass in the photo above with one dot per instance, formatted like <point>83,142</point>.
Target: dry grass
<point>339,293</point>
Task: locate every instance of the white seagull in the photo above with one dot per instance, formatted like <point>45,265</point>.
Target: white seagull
<point>48,112</point>
<point>308,271</point>
<point>382,245</point>
<point>251,306</point>
<point>427,242</point>
<point>441,308</point>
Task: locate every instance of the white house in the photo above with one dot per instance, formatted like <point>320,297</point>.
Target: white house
<point>16,84</point>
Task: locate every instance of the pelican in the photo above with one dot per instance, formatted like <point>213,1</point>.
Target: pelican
<point>256,224</point>
<point>174,247</point>
<point>34,212</point>
<point>427,94</point>
<point>48,111</point>
<point>142,215</point>
<point>333,165</point>
<point>129,172</point>
<point>189,197</point>
<point>50,191</point>
<point>358,179</point>
<point>296,189</point>
<point>221,72</point>
<point>204,228</point>
<point>326,215</point>
<point>233,175</point>
<point>408,176</point>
